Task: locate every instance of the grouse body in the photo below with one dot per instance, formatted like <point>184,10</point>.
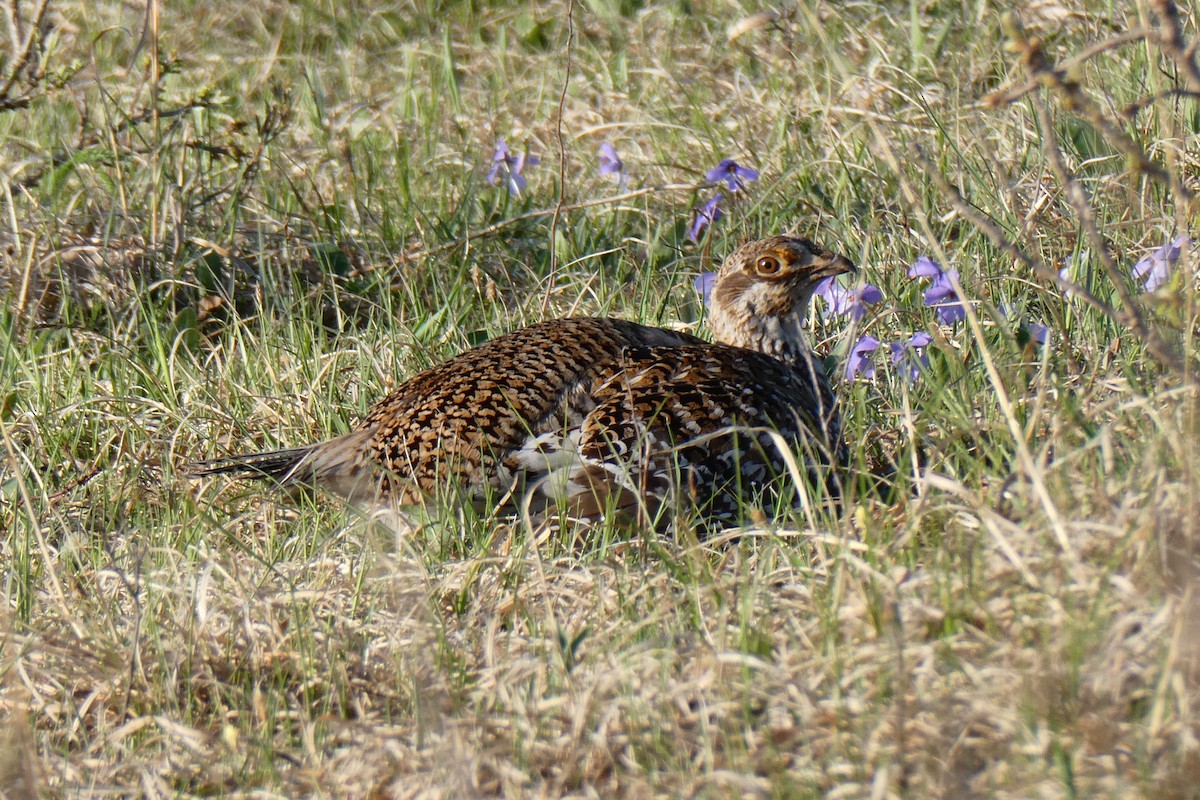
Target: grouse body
<point>604,414</point>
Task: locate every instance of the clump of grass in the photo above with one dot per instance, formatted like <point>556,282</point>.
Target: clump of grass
<point>241,228</point>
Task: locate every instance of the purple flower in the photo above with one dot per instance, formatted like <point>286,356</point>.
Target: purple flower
<point>610,162</point>
<point>859,361</point>
<point>840,301</point>
<point>1037,331</point>
<point>942,287</point>
<point>704,216</point>
<point>510,167</point>
<point>909,357</point>
<point>1154,269</point>
<point>735,176</point>
<point>924,267</point>
<point>704,284</point>
<point>950,313</point>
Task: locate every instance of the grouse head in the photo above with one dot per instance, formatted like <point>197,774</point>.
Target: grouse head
<point>762,292</point>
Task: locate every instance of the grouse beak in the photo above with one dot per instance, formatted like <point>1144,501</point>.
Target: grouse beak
<point>837,265</point>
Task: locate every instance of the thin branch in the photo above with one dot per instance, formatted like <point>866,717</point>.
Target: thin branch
<point>26,52</point>
<point>14,103</point>
<point>1009,95</point>
<point>14,24</point>
<point>1138,106</point>
<point>562,152</point>
<point>1131,315</point>
<point>1172,43</point>
<point>149,116</point>
<point>1001,240</point>
<point>1057,80</point>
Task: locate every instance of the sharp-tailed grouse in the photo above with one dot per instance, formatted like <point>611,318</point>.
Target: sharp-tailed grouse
<point>604,414</point>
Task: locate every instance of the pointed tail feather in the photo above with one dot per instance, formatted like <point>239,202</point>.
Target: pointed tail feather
<point>283,466</point>
<point>343,465</point>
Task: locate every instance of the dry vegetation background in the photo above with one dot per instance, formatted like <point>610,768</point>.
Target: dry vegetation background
<point>234,225</point>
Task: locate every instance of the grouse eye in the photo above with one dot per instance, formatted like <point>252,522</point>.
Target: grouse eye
<point>768,265</point>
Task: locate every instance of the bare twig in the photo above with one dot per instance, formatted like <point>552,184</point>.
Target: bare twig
<point>15,35</point>
<point>26,50</point>
<point>1001,240</point>
<point>1058,80</point>
<point>1140,105</point>
<point>1130,314</point>
<point>1011,94</point>
<point>562,152</point>
<point>1171,42</point>
<point>155,119</point>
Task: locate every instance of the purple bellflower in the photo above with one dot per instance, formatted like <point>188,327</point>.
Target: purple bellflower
<point>1037,331</point>
<point>1154,270</point>
<point>924,267</point>
<point>704,216</point>
<point>910,357</point>
<point>510,167</point>
<point>949,311</point>
<point>859,362</point>
<point>610,162</point>
<point>840,301</point>
<point>704,285</point>
<point>734,174</point>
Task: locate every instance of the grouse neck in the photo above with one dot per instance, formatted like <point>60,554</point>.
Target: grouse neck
<point>780,337</point>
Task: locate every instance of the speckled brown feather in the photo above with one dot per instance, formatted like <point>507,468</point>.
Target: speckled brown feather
<point>603,412</point>
<point>456,422</point>
<point>689,424</point>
